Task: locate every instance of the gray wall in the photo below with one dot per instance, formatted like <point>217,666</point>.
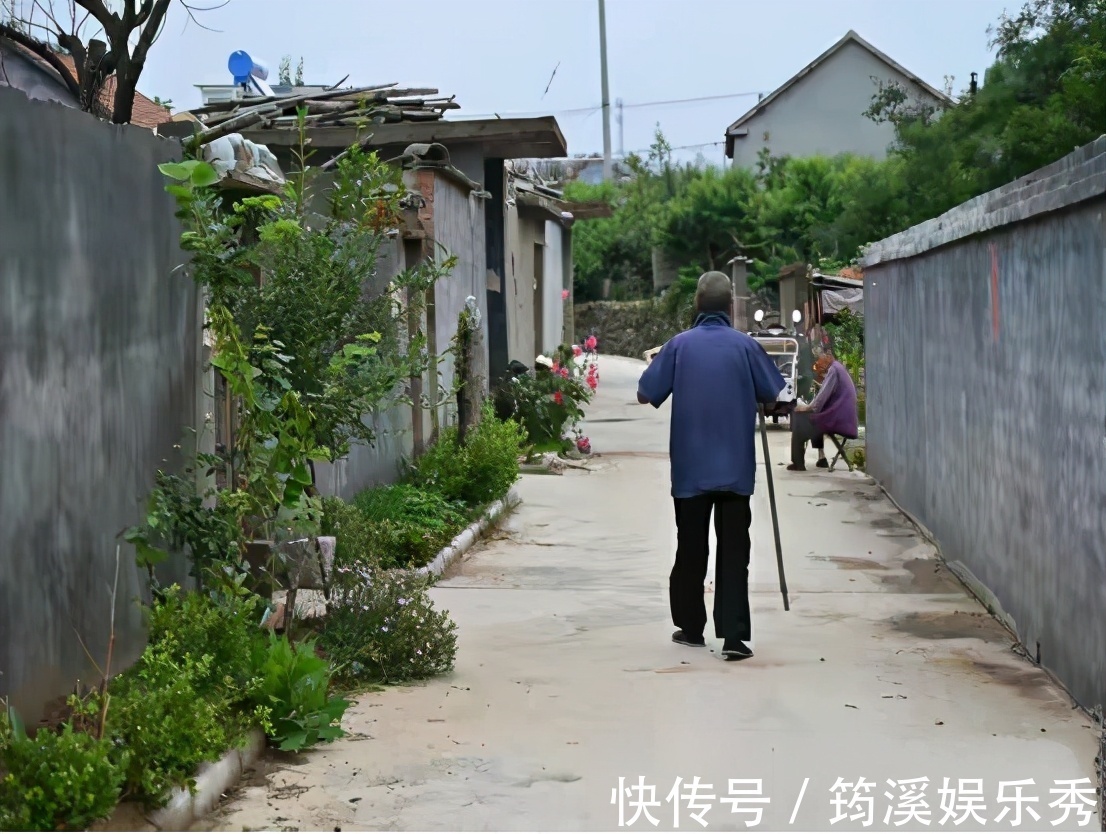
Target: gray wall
<point>986,421</point>
<point>823,114</point>
<point>456,220</point>
<point>459,231</point>
<point>527,298</point>
<point>367,466</point>
<point>99,378</point>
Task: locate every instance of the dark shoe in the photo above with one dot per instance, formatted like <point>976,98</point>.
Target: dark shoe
<point>823,463</point>
<point>796,467</point>
<point>688,639</point>
<point>735,650</point>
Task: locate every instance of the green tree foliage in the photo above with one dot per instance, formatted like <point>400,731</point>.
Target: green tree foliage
<point>620,247</point>
<point>1044,96</point>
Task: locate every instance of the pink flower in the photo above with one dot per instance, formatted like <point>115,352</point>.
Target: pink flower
<point>556,367</point>
<point>593,382</point>
<point>590,342</point>
<point>558,398</point>
<point>564,372</point>
<point>577,350</point>
<point>564,295</point>
<point>594,367</point>
<point>584,445</point>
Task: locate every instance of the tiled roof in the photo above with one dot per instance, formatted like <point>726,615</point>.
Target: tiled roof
<point>144,113</point>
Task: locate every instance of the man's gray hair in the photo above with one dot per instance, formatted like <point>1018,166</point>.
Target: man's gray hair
<point>714,293</point>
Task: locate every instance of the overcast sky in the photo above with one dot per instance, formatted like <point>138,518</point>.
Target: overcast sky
<point>497,56</point>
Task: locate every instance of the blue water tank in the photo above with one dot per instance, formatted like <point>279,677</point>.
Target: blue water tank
<point>240,66</point>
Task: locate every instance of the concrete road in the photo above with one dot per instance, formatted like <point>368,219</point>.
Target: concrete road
<point>567,685</point>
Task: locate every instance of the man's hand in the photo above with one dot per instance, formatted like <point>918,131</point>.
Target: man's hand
<point>802,408</point>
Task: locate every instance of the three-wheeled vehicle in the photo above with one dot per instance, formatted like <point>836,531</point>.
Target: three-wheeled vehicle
<point>783,347</point>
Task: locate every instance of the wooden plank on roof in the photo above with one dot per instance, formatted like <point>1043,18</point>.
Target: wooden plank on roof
<point>510,138</point>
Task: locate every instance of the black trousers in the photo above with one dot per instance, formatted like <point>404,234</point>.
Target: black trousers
<point>732,518</point>
<point>802,430</point>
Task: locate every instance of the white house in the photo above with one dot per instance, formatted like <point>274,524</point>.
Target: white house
<point>820,110</point>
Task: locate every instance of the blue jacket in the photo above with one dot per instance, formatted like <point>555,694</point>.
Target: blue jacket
<point>715,376</point>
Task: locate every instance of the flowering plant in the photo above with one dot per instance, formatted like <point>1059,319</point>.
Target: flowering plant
<point>549,400</point>
<point>381,626</point>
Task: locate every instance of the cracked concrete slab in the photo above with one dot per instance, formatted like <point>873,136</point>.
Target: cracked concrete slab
<point>566,681</point>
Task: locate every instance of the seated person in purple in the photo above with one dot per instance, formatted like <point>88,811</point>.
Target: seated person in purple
<point>833,411</point>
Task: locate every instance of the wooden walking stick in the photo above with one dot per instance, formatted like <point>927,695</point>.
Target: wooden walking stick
<point>772,503</point>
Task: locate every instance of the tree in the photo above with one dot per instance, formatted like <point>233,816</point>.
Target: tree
<point>620,248</point>
<point>284,73</point>
<point>130,29</point>
<point>1044,96</point>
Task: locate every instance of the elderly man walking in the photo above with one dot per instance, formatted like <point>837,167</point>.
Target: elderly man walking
<point>716,376</point>
<point>832,411</point>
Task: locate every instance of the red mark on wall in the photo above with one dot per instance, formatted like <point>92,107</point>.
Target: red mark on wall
<point>994,291</point>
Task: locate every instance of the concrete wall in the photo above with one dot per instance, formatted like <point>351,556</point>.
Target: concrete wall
<point>367,466</point>
<point>822,114</point>
<point>459,231</point>
<point>568,321</point>
<point>519,284</point>
<point>536,312</point>
<point>99,379</point>
<point>455,220</point>
<point>552,324</point>
<point>986,392</point>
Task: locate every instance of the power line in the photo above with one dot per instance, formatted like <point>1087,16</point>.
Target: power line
<point>691,100</point>
<point>647,150</point>
<point>598,107</point>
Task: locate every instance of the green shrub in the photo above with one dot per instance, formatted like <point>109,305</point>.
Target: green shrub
<point>480,471</point>
<point>394,527</point>
<point>381,626</point>
<point>224,629</point>
<point>57,780</point>
<point>297,690</point>
<point>491,453</point>
<point>404,502</point>
<point>443,467</point>
<point>355,535</point>
<point>158,714</point>
<point>858,457</point>
<point>410,524</point>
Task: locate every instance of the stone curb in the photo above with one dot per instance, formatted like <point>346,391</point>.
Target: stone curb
<point>185,808</point>
<point>470,535</point>
<point>212,781</point>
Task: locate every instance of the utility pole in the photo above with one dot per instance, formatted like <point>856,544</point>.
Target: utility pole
<point>606,93</point>
<point>621,132</point>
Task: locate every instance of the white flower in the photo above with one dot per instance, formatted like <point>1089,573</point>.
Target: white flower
<point>545,361</point>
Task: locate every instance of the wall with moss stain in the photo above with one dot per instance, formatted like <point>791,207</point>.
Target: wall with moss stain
<point>99,380</point>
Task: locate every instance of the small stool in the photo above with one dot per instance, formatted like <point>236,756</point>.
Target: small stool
<point>840,442</point>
